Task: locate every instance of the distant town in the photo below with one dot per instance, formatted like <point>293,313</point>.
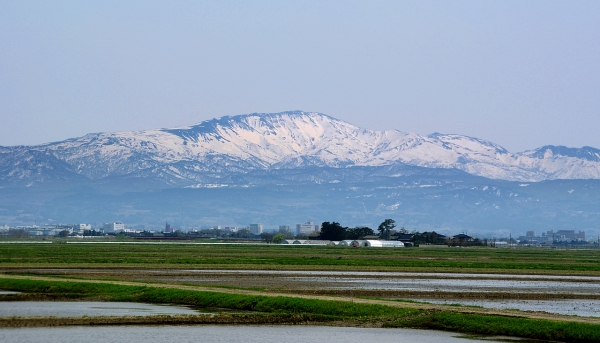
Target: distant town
<point>305,233</point>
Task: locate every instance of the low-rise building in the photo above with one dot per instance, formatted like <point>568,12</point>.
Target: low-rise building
<point>255,229</point>
<point>566,235</point>
<point>305,229</point>
<point>114,227</point>
<point>83,227</point>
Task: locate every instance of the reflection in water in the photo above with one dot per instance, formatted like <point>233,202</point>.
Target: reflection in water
<point>86,308</point>
<point>3,292</point>
<point>387,274</point>
<point>230,334</point>
<point>578,307</point>
<point>451,285</point>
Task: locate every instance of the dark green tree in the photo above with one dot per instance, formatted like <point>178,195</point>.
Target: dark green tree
<point>385,228</point>
<point>267,236</point>
<point>278,238</point>
<point>243,233</point>
<point>359,232</point>
<point>286,233</point>
<point>427,238</point>
<point>332,231</point>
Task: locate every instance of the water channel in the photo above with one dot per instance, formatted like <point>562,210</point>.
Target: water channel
<point>230,334</point>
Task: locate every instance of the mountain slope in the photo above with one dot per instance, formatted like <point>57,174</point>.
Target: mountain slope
<point>227,146</point>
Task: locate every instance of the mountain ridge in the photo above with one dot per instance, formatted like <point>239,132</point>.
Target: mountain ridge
<point>185,155</point>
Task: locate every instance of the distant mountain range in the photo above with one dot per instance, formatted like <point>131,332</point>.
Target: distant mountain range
<point>220,148</point>
<point>285,168</point>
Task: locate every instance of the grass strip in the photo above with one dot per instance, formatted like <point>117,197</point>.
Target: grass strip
<point>314,310</point>
<point>504,326</point>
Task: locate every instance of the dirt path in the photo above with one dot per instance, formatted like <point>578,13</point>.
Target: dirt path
<point>507,313</point>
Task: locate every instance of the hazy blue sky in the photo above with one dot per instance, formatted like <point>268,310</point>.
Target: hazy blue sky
<point>519,73</point>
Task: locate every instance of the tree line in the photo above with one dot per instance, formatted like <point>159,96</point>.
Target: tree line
<point>334,231</point>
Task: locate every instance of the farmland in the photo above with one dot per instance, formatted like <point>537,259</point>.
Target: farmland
<point>324,285</point>
<point>280,257</point>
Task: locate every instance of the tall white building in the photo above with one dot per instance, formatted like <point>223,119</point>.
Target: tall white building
<point>114,227</point>
<point>83,227</point>
<point>255,229</point>
<point>304,229</point>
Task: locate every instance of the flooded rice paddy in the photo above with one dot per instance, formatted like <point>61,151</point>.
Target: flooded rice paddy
<point>569,307</point>
<point>449,285</point>
<point>233,334</point>
<point>66,309</point>
<point>569,295</point>
<point>336,280</point>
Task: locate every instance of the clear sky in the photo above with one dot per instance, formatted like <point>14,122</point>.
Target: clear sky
<point>518,73</point>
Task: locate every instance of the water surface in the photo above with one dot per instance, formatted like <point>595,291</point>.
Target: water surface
<point>3,292</point>
<point>229,334</point>
<point>570,307</point>
<point>87,308</point>
<point>347,280</point>
<point>450,285</point>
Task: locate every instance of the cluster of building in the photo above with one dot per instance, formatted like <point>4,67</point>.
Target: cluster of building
<point>306,233</point>
<point>117,227</point>
<point>61,229</point>
<point>551,237</point>
<point>305,229</point>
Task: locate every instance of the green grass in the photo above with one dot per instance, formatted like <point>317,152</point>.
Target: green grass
<point>321,310</point>
<point>201,299</point>
<point>505,326</point>
<point>530,260</point>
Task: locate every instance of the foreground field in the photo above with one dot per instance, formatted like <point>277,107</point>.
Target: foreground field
<point>269,308</point>
<point>182,256</point>
<point>275,284</point>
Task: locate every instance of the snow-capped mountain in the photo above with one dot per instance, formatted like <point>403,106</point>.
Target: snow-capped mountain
<point>239,144</point>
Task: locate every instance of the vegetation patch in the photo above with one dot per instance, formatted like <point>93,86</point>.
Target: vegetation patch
<point>326,310</point>
<point>504,326</point>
